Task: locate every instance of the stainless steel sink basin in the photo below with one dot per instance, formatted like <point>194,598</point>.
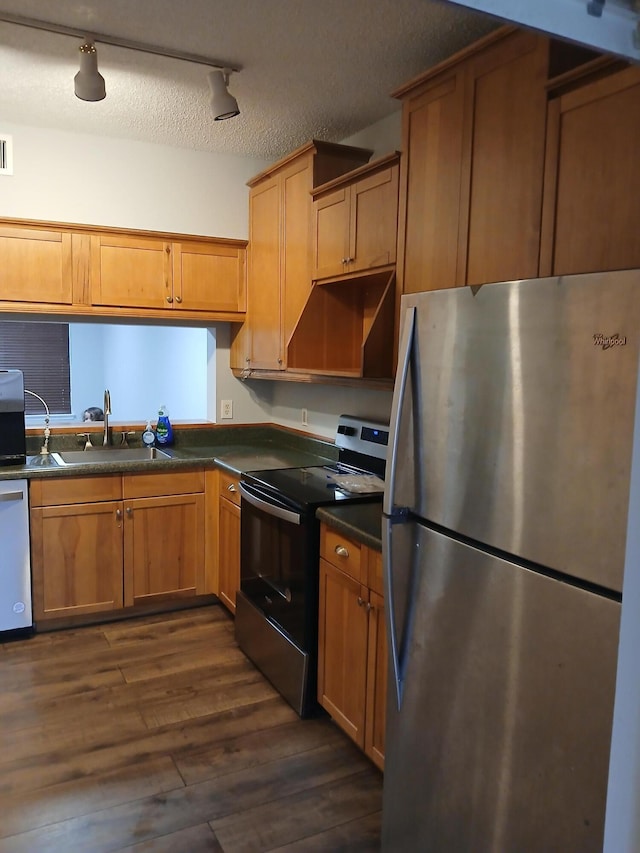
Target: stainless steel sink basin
<point>99,455</point>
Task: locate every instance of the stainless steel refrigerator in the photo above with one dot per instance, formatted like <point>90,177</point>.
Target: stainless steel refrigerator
<point>504,530</point>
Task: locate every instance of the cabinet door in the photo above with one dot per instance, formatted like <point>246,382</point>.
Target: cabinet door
<point>376,682</point>
<point>431,175</point>
<point>342,650</point>
<point>331,237</point>
<point>503,161</point>
<point>263,294</point>
<point>76,559</point>
<point>208,277</point>
<point>373,227</point>
<point>131,272</point>
<point>296,202</point>
<point>35,266</point>
<point>164,548</point>
<point>228,552</point>
<point>592,181</point>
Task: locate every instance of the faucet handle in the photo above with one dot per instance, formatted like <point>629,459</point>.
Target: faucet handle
<point>86,437</point>
<point>125,435</point>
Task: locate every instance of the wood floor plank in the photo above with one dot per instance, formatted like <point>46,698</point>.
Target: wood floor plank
<point>156,816</point>
<point>286,822</point>
<point>180,623</point>
<point>209,702</point>
<point>51,768</point>
<point>357,836</point>
<point>251,749</point>
<point>55,803</point>
<point>195,839</point>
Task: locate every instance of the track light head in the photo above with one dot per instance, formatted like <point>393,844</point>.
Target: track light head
<point>89,83</point>
<point>223,104</point>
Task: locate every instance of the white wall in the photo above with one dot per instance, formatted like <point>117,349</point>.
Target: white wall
<point>71,177</point>
<point>86,361</point>
<point>383,137</point>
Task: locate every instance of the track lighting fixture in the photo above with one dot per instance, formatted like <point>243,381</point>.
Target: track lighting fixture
<point>89,84</point>
<point>223,104</point>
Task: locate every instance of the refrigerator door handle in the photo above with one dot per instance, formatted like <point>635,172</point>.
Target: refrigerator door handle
<point>397,634</point>
<point>404,360</point>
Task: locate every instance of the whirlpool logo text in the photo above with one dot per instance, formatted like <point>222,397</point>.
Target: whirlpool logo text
<point>608,341</point>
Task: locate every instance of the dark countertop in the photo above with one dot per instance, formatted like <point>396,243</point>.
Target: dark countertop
<point>247,450</point>
<point>359,521</point>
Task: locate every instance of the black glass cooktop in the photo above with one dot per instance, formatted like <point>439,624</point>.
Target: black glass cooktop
<point>307,487</point>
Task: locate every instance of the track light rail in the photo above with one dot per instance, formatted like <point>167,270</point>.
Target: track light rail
<point>103,38</point>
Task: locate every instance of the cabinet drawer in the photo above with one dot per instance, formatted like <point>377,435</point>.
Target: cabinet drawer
<point>158,485</point>
<point>75,490</point>
<point>229,488</point>
<point>341,552</point>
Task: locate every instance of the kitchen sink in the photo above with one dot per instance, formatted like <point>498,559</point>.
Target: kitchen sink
<point>100,455</point>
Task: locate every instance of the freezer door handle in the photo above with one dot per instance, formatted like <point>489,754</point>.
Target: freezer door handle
<point>11,496</point>
<point>404,360</point>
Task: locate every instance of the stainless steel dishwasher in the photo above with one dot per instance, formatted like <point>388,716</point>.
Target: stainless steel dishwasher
<point>15,562</point>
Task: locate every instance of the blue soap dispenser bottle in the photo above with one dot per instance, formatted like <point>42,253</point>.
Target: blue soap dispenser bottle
<point>164,430</point>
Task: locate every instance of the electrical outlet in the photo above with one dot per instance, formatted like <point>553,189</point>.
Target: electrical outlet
<point>304,419</point>
<point>226,408</point>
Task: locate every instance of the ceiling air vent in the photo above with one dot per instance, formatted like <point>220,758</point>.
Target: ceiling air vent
<point>6,154</point>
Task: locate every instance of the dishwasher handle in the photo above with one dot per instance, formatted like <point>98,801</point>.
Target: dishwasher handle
<point>11,496</point>
<point>259,501</point>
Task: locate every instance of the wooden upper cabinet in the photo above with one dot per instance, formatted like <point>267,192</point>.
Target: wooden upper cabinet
<point>503,161</point>
<point>149,272</point>
<point>355,221</point>
<point>265,344</point>
<point>130,272</point>
<point>208,276</point>
<point>36,265</point>
<point>430,181</point>
<point>471,182</point>
<point>280,245</point>
<point>592,178</point>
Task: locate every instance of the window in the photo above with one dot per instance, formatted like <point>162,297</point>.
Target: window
<point>41,352</point>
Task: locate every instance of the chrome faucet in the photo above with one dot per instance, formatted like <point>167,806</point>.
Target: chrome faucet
<point>107,411</point>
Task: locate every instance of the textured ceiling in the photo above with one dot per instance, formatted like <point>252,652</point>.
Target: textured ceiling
<point>310,68</point>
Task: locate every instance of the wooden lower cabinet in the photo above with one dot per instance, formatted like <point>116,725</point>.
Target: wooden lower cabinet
<point>228,540</point>
<point>77,559</point>
<point>164,548</point>
<point>352,650</point>
<point>99,544</point>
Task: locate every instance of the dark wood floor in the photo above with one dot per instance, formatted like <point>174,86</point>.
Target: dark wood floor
<point>156,734</point>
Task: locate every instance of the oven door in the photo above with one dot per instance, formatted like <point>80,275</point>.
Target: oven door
<point>279,562</point>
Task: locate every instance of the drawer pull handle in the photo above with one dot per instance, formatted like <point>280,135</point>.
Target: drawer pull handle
<point>341,551</point>
<point>231,488</point>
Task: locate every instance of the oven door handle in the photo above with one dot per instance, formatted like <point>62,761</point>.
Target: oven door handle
<point>268,507</point>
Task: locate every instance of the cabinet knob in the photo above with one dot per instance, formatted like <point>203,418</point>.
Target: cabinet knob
<point>369,607</point>
<point>341,551</point>
<point>178,298</point>
<point>279,361</point>
<point>169,298</point>
<point>118,515</point>
<point>129,511</point>
<point>231,488</point>
<point>361,602</point>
